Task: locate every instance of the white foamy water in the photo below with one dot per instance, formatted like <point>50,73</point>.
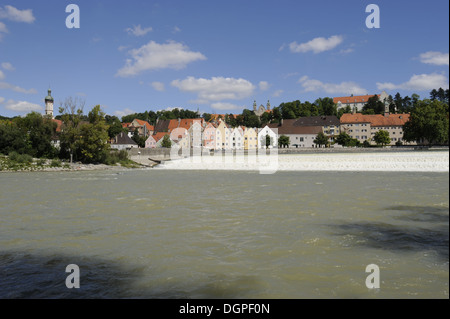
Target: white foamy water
<point>437,161</point>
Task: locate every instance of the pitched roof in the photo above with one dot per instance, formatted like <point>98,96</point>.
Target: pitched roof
<point>317,120</point>
<point>162,126</point>
<point>376,120</point>
<point>159,136</point>
<point>289,127</point>
<point>353,99</point>
<point>145,123</point>
<point>123,139</point>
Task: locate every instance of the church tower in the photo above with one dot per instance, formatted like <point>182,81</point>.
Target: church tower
<point>49,104</point>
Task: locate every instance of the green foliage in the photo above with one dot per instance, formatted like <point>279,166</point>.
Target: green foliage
<point>366,144</point>
<point>56,163</point>
<point>166,142</point>
<point>382,138</point>
<point>373,106</point>
<point>321,139</point>
<point>86,141</point>
<point>429,122</point>
<point>343,139</point>
<point>115,157</point>
<point>139,140</point>
<point>40,131</point>
<point>284,141</point>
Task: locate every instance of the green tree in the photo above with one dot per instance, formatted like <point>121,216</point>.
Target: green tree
<point>343,139</point>
<point>114,126</point>
<point>428,122</point>
<point>382,138</point>
<point>40,132</point>
<point>321,139</point>
<point>166,142</point>
<point>326,106</point>
<point>71,115</point>
<point>284,141</point>
<point>12,138</point>
<point>93,144</point>
<point>373,106</point>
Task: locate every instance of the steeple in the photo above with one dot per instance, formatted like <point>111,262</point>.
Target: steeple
<point>49,104</point>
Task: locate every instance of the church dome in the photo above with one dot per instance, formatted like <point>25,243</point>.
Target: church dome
<point>49,96</point>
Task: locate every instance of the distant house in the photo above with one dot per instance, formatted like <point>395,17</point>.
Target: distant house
<point>357,103</point>
<point>237,138</point>
<point>144,128</point>
<point>299,136</point>
<point>262,137</point>
<point>123,142</point>
<point>195,135</point>
<point>209,136</point>
<point>330,124</point>
<point>250,139</point>
<point>222,136</point>
<point>364,127</point>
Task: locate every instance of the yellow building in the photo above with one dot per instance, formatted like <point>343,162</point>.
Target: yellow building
<point>250,139</point>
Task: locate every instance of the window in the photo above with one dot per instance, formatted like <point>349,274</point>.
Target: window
<point>301,139</point>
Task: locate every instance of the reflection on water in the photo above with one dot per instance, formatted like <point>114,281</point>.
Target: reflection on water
<point>195,234</point>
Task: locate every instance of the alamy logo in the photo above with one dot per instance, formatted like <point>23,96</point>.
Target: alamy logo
<point>373,280</point>
<point>73,280</point>
<point>73,20</point>
<point>373,20</point>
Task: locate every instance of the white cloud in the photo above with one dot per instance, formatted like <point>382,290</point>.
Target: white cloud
<point>122,48</point>
<point>153,56</point>
<point>158,86</point>
<point>3,28</point>
<point>124,112</point>
<point>317,45</point>
<point>346,51</point>
<point>277,93</point>
<point>2,99</point>
<point>421,82</point>
<point>264,85</point>
<point>436,58</point>
<point>7,86</point>
<point>7,66</point>
<point>22,106</point>
<point>222,106</point>
<point>2,75</point>
<point>176,29</point>
<point>311,85</point>
<point>138,31</point>
<point>216,88</point>
<point>13,14</point>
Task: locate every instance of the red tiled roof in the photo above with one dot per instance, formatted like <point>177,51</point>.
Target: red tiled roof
<point>376,120</point>
<point>150,128</point>
<point>353,99</point>
<point>159,136</point>
<point>59,125</point>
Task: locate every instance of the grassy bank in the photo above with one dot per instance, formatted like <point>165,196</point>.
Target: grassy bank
<point>25,163</point>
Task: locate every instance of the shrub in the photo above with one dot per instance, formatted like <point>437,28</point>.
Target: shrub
<point>14,156</point>
<point>55,163</point>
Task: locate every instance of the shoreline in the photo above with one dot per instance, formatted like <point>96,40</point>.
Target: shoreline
<point>389,160</point>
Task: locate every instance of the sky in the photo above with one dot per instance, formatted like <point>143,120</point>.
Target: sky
<point>217,56</point>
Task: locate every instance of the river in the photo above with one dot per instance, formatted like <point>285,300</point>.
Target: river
<point>224,234</point>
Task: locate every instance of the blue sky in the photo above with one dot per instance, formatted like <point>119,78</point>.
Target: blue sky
<point>215,55</point>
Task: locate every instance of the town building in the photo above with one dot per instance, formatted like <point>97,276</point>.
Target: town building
<point>299,135</point>
<point>123,142</point>
<point>364,127</point>
<point>259,111</point>
<point>262,137</point>
<point>357,103</point>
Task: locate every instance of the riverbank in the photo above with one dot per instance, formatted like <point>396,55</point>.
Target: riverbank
<point>46,165</point>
